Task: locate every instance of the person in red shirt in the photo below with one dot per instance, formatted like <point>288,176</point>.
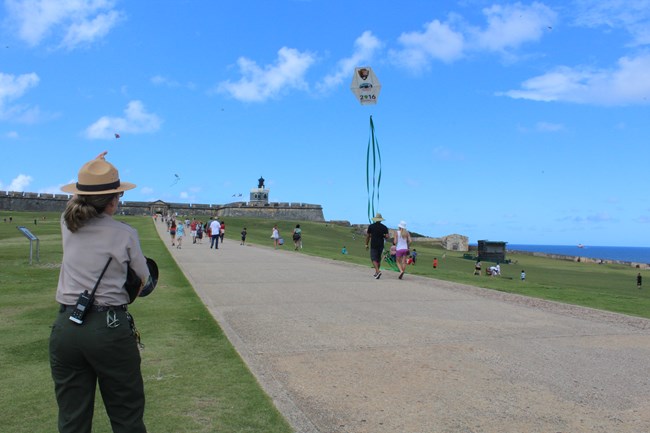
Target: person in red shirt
<point>193,230</point>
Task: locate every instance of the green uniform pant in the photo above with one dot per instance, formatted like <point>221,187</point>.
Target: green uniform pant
<point>81,356</point>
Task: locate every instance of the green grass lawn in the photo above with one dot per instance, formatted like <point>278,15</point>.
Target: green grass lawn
<point>195,381</point>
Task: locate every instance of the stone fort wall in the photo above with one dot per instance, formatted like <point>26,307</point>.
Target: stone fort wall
<point>41,202</point>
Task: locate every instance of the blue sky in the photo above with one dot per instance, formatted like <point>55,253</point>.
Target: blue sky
<point>524,122</point>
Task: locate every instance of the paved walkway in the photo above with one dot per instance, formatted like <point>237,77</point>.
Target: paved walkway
<point>339,351</point>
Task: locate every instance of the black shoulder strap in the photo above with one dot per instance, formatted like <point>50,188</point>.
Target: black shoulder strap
<point>92,294</point>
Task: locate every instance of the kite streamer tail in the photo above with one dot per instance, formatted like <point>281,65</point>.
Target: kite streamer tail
<point>373,180</point>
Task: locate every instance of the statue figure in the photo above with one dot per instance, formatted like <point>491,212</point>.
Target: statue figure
<point>260,182</point>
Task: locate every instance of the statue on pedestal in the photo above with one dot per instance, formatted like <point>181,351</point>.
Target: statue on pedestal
<point>260,194</point>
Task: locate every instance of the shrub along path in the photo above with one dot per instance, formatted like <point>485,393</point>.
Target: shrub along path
<point>339,351</point>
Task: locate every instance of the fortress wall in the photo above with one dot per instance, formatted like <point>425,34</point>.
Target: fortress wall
<point>35,202</point>
<point>32,202</point>
<point>291,213</point>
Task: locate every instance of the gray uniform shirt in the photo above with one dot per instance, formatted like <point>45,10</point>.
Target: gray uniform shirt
<point>85,254</point>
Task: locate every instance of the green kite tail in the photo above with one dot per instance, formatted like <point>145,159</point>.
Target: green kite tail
<point>373,181</point>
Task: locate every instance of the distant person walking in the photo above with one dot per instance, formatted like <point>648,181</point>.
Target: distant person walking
<point>222,231</point>
<point>180,232</point>
<point>193,230</point>
<point>172,232</point>
<point>402,241</point>
<point>275,235</point>
<point>639,280</point>
<point>523,275</point>
<point>243,236</point>
<point>477,268</point>
<point>297,237</point>
<point>199,232</point>
<point>215,228</point>
<point>376,234</point>
<point>435,263</point>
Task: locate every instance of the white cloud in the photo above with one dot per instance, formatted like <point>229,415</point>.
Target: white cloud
<point>549,127</point>
<point>159,80</point>
<point>632,16</point>
<point>75,22</point>
<point>53,189</point>
<point>259,84</point>
<point>12,135</point>
<point>147,190</point>
<point>365,47</point>
<point>87,31</point>
<point>437,42</point>
<point>595,218</point>
<point>628,83</point>
<point>20,183</point>
<point>446,154</point>
<point>13,87</point>
<point>136,120</point>
<point>509,26</point>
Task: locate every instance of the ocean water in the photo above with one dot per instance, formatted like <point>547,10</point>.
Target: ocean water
<point>627,254</point>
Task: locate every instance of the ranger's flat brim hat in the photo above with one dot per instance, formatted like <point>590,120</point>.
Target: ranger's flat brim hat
<point>98,177</point>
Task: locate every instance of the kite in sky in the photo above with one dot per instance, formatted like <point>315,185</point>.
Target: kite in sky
<point>117,135</point>
<point>366,87</point>
<point>178,178</point>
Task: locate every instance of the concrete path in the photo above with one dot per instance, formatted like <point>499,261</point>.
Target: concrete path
<point>339,351</point>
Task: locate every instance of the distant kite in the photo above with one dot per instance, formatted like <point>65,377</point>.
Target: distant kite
<point>117,135</point>
<point>178,178</point>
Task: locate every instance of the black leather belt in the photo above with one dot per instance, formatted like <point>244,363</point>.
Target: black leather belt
<point>97,308</point>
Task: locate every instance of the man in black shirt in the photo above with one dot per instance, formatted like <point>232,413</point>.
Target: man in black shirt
<point>375,236</point>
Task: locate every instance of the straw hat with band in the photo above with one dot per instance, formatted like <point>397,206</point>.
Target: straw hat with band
<point>98,177</point>
<point>378,217</point>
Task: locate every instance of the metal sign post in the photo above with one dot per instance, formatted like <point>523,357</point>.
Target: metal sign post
<point>29,235</point>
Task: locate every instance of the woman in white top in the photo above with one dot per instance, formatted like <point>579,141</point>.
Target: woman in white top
<point>275,235</point>
<point>402,242</point>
